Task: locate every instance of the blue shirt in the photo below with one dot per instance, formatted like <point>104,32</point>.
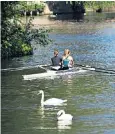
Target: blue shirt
<point>65,62</point>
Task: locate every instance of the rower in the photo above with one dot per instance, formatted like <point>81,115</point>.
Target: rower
<point>67,60</point>
<point>56,61</point>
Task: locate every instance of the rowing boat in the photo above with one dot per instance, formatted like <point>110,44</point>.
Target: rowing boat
<point>52,73</point>
<point>49,73</point>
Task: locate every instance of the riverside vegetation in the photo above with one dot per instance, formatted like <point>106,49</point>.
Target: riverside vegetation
<point>16,39</point>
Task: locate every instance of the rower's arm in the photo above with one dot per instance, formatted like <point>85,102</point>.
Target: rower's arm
<point>71,61</point>
<point>61,62</point>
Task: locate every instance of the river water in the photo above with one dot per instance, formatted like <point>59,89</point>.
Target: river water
<point>90,96</point>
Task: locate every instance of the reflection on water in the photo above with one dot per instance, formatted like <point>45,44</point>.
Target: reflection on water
<point>41,112</point>
<point>64,124</point>
<point>70,17</point>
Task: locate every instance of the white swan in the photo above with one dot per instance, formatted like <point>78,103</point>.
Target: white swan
<point>52,101</point>
<point>62,116</point>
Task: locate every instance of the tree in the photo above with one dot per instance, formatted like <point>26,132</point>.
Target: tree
<point>16,37</point>
<point>79,5</point>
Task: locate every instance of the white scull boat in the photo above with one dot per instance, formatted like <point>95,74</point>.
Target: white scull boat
<point>51,73</point>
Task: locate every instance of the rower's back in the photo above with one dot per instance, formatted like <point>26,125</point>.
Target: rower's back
<point>56,60</point>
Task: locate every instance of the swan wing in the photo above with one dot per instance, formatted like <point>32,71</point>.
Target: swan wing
<point>54,101</point>
<point>65,117</point>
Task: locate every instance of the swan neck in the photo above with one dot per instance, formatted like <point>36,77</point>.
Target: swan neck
<point>63,112</point>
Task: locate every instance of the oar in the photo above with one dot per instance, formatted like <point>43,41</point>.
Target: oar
<point>22,68</point>
<point>91,68</point>
<point>87,67</point>
<point>19,68</point>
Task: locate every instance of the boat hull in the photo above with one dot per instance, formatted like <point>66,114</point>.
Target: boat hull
<point>52,73</point>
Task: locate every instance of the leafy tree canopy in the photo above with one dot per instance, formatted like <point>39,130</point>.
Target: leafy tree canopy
<point>16,39</point>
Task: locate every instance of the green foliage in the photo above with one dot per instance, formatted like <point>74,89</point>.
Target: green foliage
<point>26,49</point>
<point>31,6</point>
<point>16,39</point>
<point>40,36</point>
<point>94,4</point>
<point>41,6</point>
<point>98,4</point>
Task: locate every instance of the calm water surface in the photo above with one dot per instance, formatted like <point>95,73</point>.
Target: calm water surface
<point>91,96</point>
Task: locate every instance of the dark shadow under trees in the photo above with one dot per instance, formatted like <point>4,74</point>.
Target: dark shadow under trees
<point>67,10</point>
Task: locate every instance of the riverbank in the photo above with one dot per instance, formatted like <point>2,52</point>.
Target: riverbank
<point>92,20</point>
